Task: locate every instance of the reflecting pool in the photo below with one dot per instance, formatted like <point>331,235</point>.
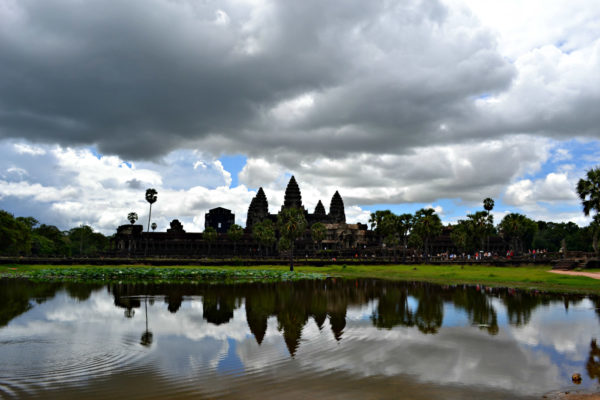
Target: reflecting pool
<point>310,339</point>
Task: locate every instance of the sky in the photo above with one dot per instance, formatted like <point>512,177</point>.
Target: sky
<point>397,105</point>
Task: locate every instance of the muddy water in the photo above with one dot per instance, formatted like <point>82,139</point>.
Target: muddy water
<point>322,339</point>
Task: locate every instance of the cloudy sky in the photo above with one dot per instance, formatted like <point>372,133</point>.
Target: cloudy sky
<point>396,104</point>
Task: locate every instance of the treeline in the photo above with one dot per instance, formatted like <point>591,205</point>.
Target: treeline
<point>518,232</point>
<point>25,236</point>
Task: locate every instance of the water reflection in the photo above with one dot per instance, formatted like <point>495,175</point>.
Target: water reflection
<point>504,339</point>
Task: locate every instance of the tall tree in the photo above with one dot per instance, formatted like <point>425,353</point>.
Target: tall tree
<point>427,225</point>
<point>404,224</point>
<point>48,240</point>
<point>210,235</point>
<point>377,217</point>
<point>589,193</point>
<point>151,196</point>
<point>132,217</point>
<point>482,224</point>
<point>84,241</point>
<point>387,228</point>
<point>488,205</point>
<point>291,223</point>
<point>15,235</point>
<point>235,233</point>
<point>518,230</point>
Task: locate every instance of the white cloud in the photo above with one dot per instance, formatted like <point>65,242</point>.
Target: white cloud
<point>24,148</point>
<point>555,187</point>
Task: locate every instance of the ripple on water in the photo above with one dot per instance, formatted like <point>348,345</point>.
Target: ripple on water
<point>30,365</point>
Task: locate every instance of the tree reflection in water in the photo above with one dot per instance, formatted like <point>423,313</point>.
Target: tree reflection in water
<point>294,303</point>
<point>593,364</point>
<point>147,336</point>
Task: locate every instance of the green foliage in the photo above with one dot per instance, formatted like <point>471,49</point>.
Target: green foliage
<point>284,244</point>
<point>132,217</point>
<point>264,233</point>
<point>427,225</point>
<point>589,191</point>
<point>317,232</point>
<point>48,240</point>
<point>235,232</point>
<point>549,236</point>
<point>30,222</point>
<point>377,218</point>
<point>209,234</point>
<point>84,242</point>
<point>488,204</point>
<point>470,234</point>
<point>291,223</point>
<point>151,196</point>
<point>518,230</point>
<point>157,274</point>
<point>15,234</point>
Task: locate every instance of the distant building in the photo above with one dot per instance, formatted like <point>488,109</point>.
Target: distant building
<point>220,219</point>
<point>339,235</point>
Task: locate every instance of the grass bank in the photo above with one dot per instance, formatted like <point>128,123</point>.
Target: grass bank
<point>527,277</point>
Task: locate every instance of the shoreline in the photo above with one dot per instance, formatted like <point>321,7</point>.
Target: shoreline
<point>524,277</point>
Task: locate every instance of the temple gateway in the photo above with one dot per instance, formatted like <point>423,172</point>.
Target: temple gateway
<point>130,240</point>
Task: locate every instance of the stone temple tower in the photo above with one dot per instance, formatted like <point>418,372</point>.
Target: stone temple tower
<point>258,210</point>
<point>320,211</point>
<point>292,198</point>
<point>336,209</point>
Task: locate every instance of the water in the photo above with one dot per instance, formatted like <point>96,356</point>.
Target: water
<point>322,339</point>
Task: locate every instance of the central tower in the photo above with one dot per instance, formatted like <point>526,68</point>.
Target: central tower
<point>292,198</point>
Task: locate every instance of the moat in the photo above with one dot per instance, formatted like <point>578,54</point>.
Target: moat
<point>308,339</point>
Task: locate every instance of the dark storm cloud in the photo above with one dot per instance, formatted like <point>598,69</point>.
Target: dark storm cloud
<point>141,78</point>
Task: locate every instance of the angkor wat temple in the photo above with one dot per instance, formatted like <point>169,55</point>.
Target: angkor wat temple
<point>131,240</point>
<point>259,207</point>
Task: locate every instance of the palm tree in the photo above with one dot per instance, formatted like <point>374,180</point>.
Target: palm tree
<point>518,230</point>
<point>589,193</point>
<point>292,225</point>
<point>235,233</point>
<point>480,227</point>
<point>146,339</point>
<point>210,235</point>
<point>488,205</point>
<point>387,226</point>
<point>404,224</point>
<point>132,217</point>
<point>427,225</point>
<point>151,196</point>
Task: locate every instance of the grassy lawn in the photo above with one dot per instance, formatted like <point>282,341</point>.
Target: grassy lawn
<point>532,277</point>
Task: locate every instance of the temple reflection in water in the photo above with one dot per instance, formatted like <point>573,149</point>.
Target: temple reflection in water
<point>396,304</point>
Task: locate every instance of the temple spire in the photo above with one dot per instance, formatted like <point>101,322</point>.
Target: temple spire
<point>258,210</point>
<point>293,197</point>
<point>336,209</point>
<point>320,210</point>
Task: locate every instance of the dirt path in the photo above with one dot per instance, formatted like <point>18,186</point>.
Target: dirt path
<point>593,275</point>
